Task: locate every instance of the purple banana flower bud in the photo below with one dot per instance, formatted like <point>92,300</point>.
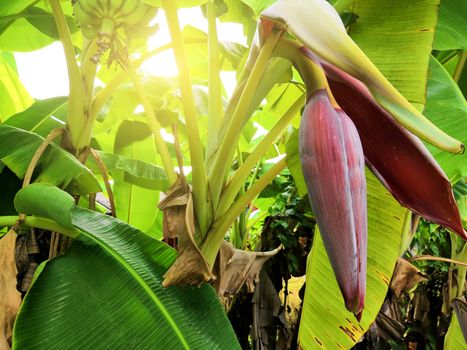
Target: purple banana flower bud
<point>333,166</point>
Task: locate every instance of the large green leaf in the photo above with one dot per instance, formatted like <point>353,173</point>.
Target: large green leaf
<point>110,281</point>
<point>56,166</point>
<point>13,95</point>
<point>454,339</point>
<point>136,172</point>
<point>451,31</point>
<point>42,117</point>
<point>258,5</point>
<point>325,322</point>
<point>8,10</point>
<point>447,108</point>
<point>23,36</point>
<point>397,36</point>
<point>136,205</point>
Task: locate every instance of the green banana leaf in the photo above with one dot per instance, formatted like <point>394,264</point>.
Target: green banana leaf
<point>135,171</point>
<point>454,339</point>
<point>451,30</point>
<point>397,36</point>
<point>258,5</point>
<point>110,284</point>
<point>22,36</point>
<point>55,166</point>
<point>9,8</point>
<point>136,205</point>
<point>325,322</point>
<point>41,117</point>
<point>447,108</point>
<point>13,95</point>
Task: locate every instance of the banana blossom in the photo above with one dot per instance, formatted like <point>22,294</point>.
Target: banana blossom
<point>354,115</point>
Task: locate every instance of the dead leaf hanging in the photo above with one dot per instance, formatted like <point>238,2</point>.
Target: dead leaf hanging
<point>405,277</point>
<point>236,268</point>
<point>10,299</point>
<point>189,267</point>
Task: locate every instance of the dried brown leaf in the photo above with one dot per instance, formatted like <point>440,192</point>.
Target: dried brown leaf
<point>189,267</point>
<point>405,277</point>
<point>236,268</point>
<point>266,307</point>
<point>10,299</point>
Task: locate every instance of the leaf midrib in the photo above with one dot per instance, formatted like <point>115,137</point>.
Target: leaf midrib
<point>140,280</point>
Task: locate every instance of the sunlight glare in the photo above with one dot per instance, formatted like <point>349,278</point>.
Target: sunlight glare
<point>44,72</point>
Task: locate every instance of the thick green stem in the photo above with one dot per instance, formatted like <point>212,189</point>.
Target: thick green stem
<point>194,141</point>
<point>41,223</point>
<point>76,116</point>
<point>240,176</point>
<point>210,247</point>
<point>215,110</point>
<point>155,128</point>
<point>460,66</point>
<point>89,68</point>
<point>88,73</point>
<point>226,149</point>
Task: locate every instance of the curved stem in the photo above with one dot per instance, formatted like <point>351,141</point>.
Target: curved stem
<point>155,127</point>
<point>437,258</point>
<point>242,173</point>
<point>44,224</point>
<point>37,155</point>
<point>210,247</point>
<point>225,153</point>
<point>194,141</point>
<point>105,177</point>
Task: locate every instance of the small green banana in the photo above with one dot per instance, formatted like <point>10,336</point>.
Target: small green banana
<point>104,19</point>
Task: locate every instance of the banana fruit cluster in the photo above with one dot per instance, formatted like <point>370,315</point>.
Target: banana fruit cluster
<point>102,19</point>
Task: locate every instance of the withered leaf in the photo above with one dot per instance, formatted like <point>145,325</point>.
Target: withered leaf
<point>236,268</point>
<point>405,277</point>
<point>10,299</point>
<point>189,267</point>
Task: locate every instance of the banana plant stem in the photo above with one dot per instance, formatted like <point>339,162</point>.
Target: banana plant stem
<point>89,68</point>
<point>240,176</point>
<point>438,258</point>
<point>105,177</point>
<point>37,155</point>
<point>88,73</point>
<point>215,110</point>
<point>224,155</point>
<point>41,223</point>
<point>460,66</point>
<point>155,128</point>
<point>76,116</point>
<point>210,247</point>
<point>194,141</point>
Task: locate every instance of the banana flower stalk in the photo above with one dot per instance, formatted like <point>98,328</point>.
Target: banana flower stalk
<point>354,115</point>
